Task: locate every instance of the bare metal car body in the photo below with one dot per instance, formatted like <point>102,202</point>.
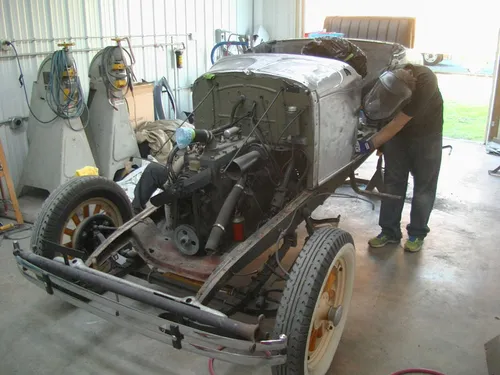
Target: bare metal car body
<point>305,102</point>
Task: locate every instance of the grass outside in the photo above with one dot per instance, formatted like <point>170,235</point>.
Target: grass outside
<point>464,121</point>
<point>466,103</point>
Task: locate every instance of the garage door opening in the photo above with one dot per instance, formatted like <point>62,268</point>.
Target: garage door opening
<point>461,50</point>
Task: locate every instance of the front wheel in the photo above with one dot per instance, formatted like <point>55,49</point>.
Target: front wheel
<point>315,303</point>
<point>73,211</point>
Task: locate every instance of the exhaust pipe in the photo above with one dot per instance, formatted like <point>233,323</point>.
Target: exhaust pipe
<point>243,163</point>
<point>225,214</point>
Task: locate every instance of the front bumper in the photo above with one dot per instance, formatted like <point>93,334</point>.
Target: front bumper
<point>122,310</point>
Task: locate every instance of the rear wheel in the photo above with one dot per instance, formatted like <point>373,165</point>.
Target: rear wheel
<point>315,302</point>
<point>71,214</point>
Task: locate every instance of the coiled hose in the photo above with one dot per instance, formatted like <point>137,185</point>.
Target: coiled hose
<point>70,103</point>
<point>109,76</point>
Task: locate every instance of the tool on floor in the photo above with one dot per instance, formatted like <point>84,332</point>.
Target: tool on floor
<point>5,174</point>
<point>7,230</point>
<point>448,146</point>
<point>57,143</point>
<point>110,134</point>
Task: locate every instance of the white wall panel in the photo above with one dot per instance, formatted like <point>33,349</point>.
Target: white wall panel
<point>278,17</point>
<point>38,25</point>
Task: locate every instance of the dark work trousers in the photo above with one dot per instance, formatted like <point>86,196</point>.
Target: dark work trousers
<point>153,177</point>
<point>421,157</point>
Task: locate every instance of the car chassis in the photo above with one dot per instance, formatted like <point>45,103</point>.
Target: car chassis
<point>193,322</point>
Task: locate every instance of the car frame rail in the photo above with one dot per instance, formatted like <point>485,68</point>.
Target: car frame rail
<point>234,341</point>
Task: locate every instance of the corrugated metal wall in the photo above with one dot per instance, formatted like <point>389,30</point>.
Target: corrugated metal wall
<point>38,25</point>
<point>281,18</point>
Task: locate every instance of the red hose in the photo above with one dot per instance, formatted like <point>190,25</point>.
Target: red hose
<point>413,371</point>
<point>211,366</point>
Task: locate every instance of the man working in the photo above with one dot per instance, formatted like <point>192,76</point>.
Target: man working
<point>412,142</point>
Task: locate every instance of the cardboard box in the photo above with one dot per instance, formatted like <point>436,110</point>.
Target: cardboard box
<point>141,104</point>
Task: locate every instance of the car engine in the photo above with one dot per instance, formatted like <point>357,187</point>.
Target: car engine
<point>266,128</point>
<point>227,186</point>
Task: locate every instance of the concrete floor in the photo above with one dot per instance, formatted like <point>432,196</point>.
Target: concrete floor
<point>434,309</point>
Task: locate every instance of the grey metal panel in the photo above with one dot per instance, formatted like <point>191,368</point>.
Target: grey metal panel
<point>91,23</point>
<point>328,90</point>
<point>337,131</point>
<point>318,74</point>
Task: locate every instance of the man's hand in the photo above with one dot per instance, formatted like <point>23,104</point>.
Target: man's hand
<point>364,146</point>
<point>390,130</point>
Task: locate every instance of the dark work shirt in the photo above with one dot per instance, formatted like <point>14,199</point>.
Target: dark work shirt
<point>425,106</point>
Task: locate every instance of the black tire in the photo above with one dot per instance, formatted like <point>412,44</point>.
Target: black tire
<point>301,295</point>
<point>50,222</point>
<point>432,59</point>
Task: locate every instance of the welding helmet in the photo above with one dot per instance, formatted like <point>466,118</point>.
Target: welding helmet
<point>386,98</point>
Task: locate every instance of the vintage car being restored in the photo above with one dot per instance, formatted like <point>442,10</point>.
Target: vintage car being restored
<point>274,137</point>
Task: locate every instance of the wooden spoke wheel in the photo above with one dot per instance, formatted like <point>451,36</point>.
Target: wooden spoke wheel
<point>93,212</point>
<point>72,215</point>
<point>315,302</point>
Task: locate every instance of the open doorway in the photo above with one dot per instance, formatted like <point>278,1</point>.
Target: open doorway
<point>460,49</point>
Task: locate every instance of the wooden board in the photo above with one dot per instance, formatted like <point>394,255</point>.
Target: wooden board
<point>5,174</point>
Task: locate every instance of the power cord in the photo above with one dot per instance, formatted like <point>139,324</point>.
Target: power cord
<point>23,85</point>
<point>64,110</point>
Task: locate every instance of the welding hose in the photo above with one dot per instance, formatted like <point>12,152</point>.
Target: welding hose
<point>72,104</point>
<point>157,95</point>
<point>212,54</point>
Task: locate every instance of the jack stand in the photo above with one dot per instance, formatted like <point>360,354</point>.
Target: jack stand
<point>57,149</point>
<point>110,133</point>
